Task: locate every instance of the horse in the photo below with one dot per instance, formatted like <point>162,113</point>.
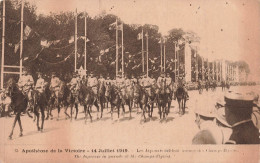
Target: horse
<point>39,105</point>
<point>223,85</point>
<point>19,102</point>
<point>127,95</point>
<point>101,97</point>
<point>87,99</point>
<point>70,99</point>
<point>207,86</point>
<point>181,98</point>
<point>115,99</point>
<point>150,91</point>
<point>141,98</point>
<point>107,94</point>
<point>162,99</point>
<point>200,88</point>
<point>59,98</point>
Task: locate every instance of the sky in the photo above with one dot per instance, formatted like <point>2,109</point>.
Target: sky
<point>229,29</point>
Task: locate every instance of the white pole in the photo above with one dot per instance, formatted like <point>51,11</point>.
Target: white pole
<point>123,67</point>
<point>142,50</point>
<point>3,48</point>
<point>161,56</point>
<point>175,60</point>
<point>75,39</point>
<point>164,56</point>
<point>116,49</point>
<point>85,47</point>
<point>21,40</point>
<point>147,56</point>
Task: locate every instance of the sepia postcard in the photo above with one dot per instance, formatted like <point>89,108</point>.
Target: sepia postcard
<point>129,81</point>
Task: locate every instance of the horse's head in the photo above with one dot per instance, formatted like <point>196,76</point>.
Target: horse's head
<point>10,87</point>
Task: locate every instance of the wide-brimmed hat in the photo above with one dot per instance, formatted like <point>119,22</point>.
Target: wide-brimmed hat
<point>204,110</point>
<point>239,99</point>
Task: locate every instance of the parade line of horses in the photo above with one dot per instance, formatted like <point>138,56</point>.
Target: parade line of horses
<point>133,96</point>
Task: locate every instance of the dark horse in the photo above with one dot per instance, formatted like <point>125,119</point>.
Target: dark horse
<point>87,99</point>
<point>115,99</point>
<point>101,97</point>
<point>39,104</point>
<point>19,103</point>
<point>70,99</point>
<point>162,99</point>
<point>151,99</point>
<point>61,98</point>
<point>141,98</point>
<point>127,95</point>
<point>181,98</point>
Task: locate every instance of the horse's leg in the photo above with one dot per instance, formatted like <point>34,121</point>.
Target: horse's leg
<point>58,112</point>
<point>118,110</point>
<point>43,117</point>
<point>77,110</point>
<point>130,108</point>
<point>37,117</point>
<point>96,104</point>
<point>112,106</point>
<point>20,124</point>
<point>15,120</point>
<point>123,109</point>
<point>102,105</point>
<point>144,111</point>
<point>152,109</point>
<point>89,112</point>
<point>85,112</point>
<point>149,111</point>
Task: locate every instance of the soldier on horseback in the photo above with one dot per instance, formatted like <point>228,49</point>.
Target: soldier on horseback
<point>40,83</point>
<point>161,81</point>
<point>101,80</point>
<point>93,84</point>
<point>181,84</point>
<point>168,82</point>
<point>25,84</point>
<point>74,86</point>
<point>55,85</point>
<point>133,80</point>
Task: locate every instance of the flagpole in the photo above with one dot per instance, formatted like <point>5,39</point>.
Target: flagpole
<point>161,55</point>
<point>147,55</point>
<point>76,37</point>
<point>21,39</point>
<point>116,49</point>
<point>123,70</point>
<point>3,48</point>
<point>85,47</point>
<point>175,60</point>
<point>164,55</point>
<point>143,49</point>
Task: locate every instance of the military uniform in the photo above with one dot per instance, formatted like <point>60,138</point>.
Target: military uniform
<point>93,83</point>
<point>101,81</point>
<point>40,85</point>
<point>25,83</point>
<point>161,83</point>
<point>55,85</point>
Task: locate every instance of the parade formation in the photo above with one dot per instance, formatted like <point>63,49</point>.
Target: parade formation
<point>40,93</point>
